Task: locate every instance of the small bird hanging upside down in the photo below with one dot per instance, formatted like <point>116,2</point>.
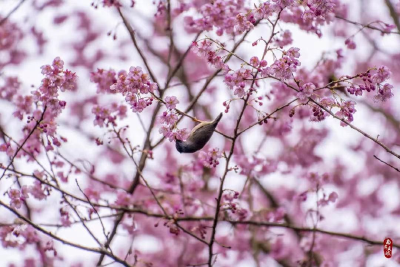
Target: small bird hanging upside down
<point>198,137</point>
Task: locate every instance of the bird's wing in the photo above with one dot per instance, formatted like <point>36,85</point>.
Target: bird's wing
<point>204,123</point>
<point>198,126</point>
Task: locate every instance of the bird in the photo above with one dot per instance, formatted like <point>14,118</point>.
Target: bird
<point>198,137</point>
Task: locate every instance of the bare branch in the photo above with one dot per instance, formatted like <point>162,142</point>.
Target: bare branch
<point>133,38</point>
<point>391,166</point>
<point>23,143</point>
<point>11,12</point>
<point>64,241</point>
<point>367,25</point>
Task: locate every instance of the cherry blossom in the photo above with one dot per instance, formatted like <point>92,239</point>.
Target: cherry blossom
<point>89,169</point>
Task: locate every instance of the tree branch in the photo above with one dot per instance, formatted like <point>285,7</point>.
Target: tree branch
<point>23,143</point>
<point>65,242</point>
<point>11,12</point>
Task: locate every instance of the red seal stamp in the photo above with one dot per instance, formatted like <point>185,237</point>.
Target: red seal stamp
<point>387,247</point>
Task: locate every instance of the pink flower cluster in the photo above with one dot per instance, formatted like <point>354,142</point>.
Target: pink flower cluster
<point>305,91</point>
<point>257,63</point>
<point>38,191</point>
<point>373,80</point>
<point>346,111</point>
<point>221,14</point>
<point>173,228</point>
<point>47,108</point>
<point>255,166</point>
<point>92,193</point>
<point>317,183</point>
<point>310,15</point>
<point>384,92</point>
<point>283,3</point>
<point>18,196</point>
<point>169,130</point>
<point>204,48</point>
<point>210,158</point>
<point>123,199</point>
<point>350,43</point>
<point>169,118</point>
<point>317,180</point>
<point>284,39</point>
<point>18,236</point>
<point>56,79</point>
<point>65,217</point>
<point>171,102</point>
<point>6,147</point>
<point>284,67</point>
<point>276,215</point>
<point>104,79</point>
<point>9,88</point>
<point>23,104</point>
<point>231,204</point>
<point>320,8</point>
<point>201,229</point>
<point>326,200</point>
<point>244,23</point>
<point>231,17</point>
<point>318,113</point>
<point>237,81</point>
<point>134,86</point>
<point>10,36</point>
<point>108,116</point>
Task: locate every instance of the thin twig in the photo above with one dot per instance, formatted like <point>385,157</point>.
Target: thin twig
<point>366,25</point>
<point>180,62</point>
<point>23,143</point>
<point>64,241</point>
<point>268,116</point>
<point>357,129</point>
<point>95,210</point>
<point>387,163</point>
<point>133,38</point>
<point>91,176</point>
<point>11,12</point>
<point>344,121</point>
<point>171,39</point>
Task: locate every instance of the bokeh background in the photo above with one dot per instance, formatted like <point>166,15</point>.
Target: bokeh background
<point>83,37</point>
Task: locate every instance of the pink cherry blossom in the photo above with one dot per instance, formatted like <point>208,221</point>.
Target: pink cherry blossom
<point>171,102</point>
<point>93,163</point>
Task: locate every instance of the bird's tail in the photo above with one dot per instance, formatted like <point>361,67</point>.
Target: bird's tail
<point>217,119</point>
